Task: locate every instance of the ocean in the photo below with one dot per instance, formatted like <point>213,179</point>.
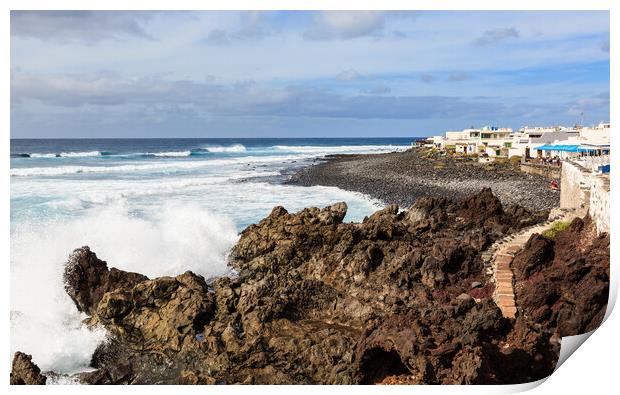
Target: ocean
<point>154,206</point>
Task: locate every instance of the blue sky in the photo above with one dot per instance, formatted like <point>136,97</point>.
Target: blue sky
<point>303,74</point>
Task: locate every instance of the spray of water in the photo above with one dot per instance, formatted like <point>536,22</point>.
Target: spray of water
<point>45,322</point>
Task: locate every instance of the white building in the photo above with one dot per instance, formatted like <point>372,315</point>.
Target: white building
<point>488,139</point>
<point>589,142</point>
<point>527,139</point>
<point>596,134</point>
<point>525,142</point>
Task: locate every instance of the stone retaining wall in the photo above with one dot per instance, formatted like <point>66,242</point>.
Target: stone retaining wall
<point>586,191</point>
<point>599,202</point>
<point>551,172</point>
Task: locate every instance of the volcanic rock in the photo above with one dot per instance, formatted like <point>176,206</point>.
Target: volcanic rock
<point>563,283</point>
<point>428,344</point>
<point>87,279</point>
<point>319,301</point>
<point>24,371</point>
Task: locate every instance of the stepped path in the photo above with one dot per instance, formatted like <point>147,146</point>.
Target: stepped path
<point>499,256</point>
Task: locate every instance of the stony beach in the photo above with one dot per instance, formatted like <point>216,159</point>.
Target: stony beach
<point>402,177</point>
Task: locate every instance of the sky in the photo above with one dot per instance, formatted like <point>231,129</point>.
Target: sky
<point>92,74</point>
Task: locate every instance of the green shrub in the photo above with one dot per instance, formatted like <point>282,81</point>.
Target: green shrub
<point>429,153</point>
<point>515,160</point>
<point>556,227</point>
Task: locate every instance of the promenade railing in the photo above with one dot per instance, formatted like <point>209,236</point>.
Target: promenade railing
<point>593,163</point>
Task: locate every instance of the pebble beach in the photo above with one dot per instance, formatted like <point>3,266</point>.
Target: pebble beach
<point>402,177</point>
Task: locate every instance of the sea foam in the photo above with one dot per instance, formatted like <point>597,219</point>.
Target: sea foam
<point>231,148</point>
<point>66,154</point>
<point>79,154</point>
<point>172,154</point>
<point>317,149</point>
<point>44,320</point>
<point>140,166</point>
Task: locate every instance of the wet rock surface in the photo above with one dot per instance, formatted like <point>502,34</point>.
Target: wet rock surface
<point>88,278</point>
<point>25,372</point>
<point>563,282</point>
<point>402,177</point>
<point>320,301</point>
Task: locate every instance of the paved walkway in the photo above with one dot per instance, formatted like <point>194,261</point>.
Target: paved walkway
<point>498,259</point>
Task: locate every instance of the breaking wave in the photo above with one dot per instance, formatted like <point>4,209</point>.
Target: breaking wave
<point>58,155</point>
<point>156,167</point>
<point>44,320</point>
<point>230,148</point>
<point>316,149</point>
<point>67,170</point>
<point>171,154</point>
<point>217,149</point>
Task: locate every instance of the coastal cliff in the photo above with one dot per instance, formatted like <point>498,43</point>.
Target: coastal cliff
<point>401,297</point>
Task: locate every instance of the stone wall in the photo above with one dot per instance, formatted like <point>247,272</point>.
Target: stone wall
<point>551,172</point>
<point>585,191</point>
<point>575,188</point>
<point>599,202</point>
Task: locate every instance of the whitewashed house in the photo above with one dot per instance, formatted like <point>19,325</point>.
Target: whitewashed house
<point>589,142</point>
<point>527,139</point>
<point>489,140</point>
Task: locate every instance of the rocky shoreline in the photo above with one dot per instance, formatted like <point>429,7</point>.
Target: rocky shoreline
<point>401,297</point>
<point>402,177</point>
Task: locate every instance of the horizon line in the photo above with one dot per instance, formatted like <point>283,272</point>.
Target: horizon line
<point>209,138</point>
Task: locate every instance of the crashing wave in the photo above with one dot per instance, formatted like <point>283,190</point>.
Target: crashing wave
<point>317,149</point>
<point>171,154</point>
<point>230,148</point>
<point>58,155</point>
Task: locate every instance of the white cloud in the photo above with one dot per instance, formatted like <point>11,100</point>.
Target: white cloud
<point>378,90</point>
<point>254,25</point>
<point>345,24</point>
<point>85,26</point>
<point>496,35</point>
<point>427,77</point>
<point>458,77</point>
<point>242,98</point>
<point>384,57</point>
<point>348,75</point>
<point>218,37</point>
<point>434,41</point>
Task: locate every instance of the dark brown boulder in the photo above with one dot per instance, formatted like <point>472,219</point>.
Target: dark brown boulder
<point>563,283</point>
<point>157,330</point>
<point>24,371</point>
<point>535,255</point>
<point>441,345</point>
<point>160,315</point>
<point>481,207</point>
<point>87,279</point>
